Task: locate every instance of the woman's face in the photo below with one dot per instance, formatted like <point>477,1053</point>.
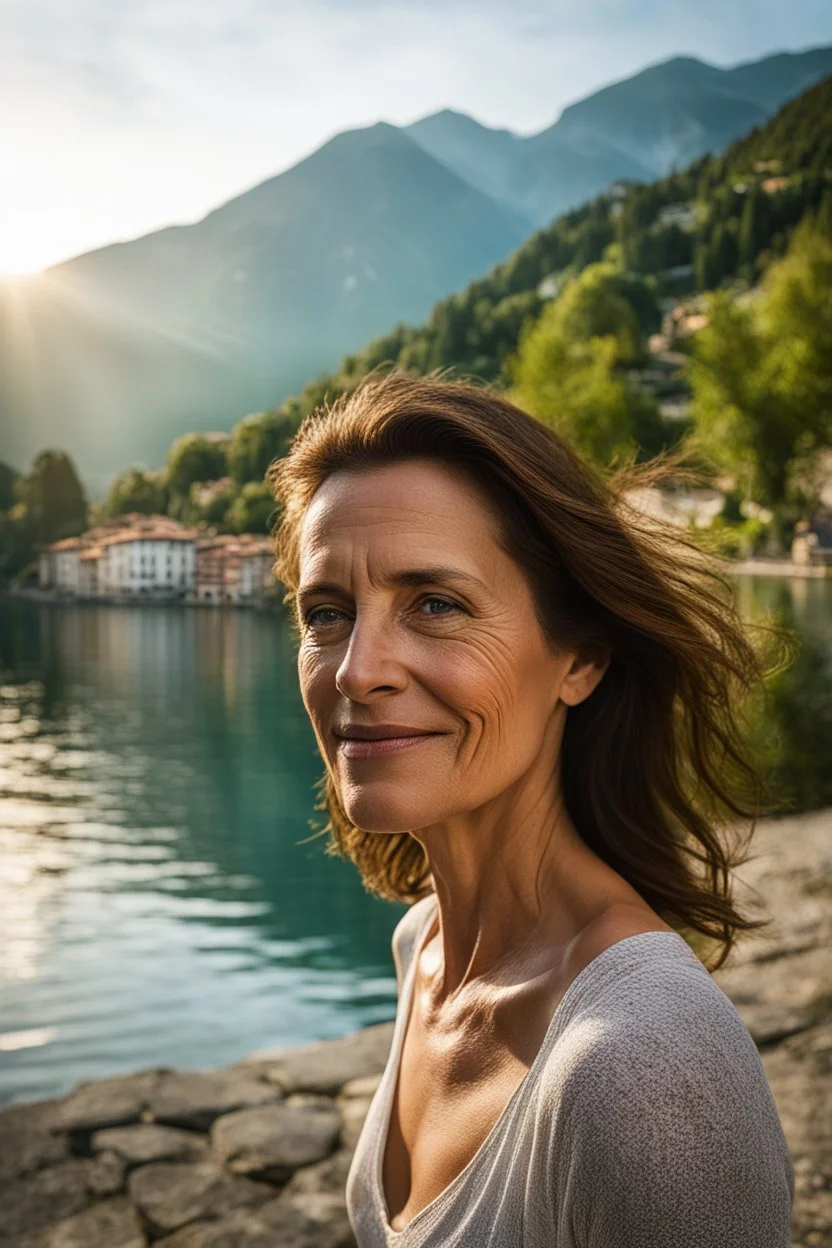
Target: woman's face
<point>414,620</point>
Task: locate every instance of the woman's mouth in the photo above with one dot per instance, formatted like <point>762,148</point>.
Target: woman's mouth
<point>377,740</point>
<point>353,747</point>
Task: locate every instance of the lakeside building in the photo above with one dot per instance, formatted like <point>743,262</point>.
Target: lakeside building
<point>59,565</point>
<point>234,568</point>
<point>152,557</point>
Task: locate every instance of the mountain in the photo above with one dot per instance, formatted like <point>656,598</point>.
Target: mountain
<point>114,353</point>
<point>635,130</point>
<point>725,217</point>
<point>487,158</point>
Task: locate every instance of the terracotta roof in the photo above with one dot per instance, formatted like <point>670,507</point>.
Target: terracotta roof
<point>149,535</point>
<point>67,543</point>
<point>238,544</point>
<point>263,546</point>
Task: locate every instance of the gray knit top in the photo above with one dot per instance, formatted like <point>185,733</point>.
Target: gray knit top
<point>645,1121</point>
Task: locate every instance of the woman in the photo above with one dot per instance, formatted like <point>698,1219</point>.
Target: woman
<point>524,694</point>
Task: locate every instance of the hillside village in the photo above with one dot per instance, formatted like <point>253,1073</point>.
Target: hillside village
<point>154,558</point>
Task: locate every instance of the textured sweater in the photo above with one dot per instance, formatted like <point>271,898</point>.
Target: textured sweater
<point>645,1121</point>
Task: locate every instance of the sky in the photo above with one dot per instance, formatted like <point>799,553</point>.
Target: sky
<point>118,117</point>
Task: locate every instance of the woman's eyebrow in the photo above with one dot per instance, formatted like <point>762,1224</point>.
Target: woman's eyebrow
<point>407,576</point>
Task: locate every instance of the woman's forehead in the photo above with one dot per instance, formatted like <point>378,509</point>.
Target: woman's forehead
<point>419,497</point>
<point>391,533</point>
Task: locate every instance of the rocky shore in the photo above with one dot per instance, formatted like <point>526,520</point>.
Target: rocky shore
<point>256,1155</point>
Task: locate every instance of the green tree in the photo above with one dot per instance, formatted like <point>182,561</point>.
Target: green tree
<point>17,546</point>
<point>572,386</point>
<point>253,510</point>
<point>137,490</point>
<point>53,498</point>
<point>195,457</point>
<point>741,420</point>
<point>8,476</point>
<point>762,375</point>
<point>602,301</point>
<point>209,502</point>
<point>256,441</point>
<point>795,319</point>
<point>749,232</point>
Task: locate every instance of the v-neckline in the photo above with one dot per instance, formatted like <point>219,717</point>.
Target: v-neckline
<point>394,1236</point>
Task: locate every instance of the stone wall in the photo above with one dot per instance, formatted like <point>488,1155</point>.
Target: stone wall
<point>256,1155</point>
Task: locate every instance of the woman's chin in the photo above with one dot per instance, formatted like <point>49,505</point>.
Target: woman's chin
<point>373,815</point>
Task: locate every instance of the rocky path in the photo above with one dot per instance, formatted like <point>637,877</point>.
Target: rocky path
<point>256,1155</point>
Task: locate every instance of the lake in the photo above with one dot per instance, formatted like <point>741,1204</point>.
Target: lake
<point>161,901</point>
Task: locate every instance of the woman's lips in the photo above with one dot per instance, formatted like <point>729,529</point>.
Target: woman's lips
<point>352,747</point>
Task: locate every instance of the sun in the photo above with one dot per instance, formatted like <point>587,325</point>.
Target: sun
<point>24,262</point>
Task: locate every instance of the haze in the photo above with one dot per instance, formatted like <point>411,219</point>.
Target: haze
<point>119,119</point>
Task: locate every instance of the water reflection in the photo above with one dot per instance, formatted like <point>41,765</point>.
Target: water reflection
<point>156,901</point>
<point>157,904</point>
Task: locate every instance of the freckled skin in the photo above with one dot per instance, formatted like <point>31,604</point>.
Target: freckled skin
<point>523,903</point>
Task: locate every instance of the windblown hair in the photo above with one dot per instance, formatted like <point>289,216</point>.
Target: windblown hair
<point>657,774</point>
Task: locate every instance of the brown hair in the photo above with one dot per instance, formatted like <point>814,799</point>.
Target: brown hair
<point>656,774</point>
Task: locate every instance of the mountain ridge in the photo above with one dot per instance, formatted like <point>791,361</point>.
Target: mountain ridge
<point>126,346</point>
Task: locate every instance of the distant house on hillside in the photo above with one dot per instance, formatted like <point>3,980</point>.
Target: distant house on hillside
<point>682,215</point>
<point>812,542</point>
<point>697,506</point>
<point>550,286</point>
<point>677,273</point>
<point>772,186</point>
<point>682,320</point>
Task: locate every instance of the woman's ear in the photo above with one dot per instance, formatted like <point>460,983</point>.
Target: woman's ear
<point>583,676</point>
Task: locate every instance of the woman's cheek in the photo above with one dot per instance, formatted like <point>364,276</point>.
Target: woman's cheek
<point>316,681</point>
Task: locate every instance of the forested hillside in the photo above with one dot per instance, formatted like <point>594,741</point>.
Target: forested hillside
<point>724,218</point>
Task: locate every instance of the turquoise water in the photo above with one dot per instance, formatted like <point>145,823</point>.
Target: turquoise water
<point>157,903</point>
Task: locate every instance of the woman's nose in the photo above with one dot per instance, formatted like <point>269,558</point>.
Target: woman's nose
<point>373,661</point>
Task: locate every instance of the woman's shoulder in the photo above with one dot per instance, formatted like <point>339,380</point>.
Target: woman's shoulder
<point>649,996</point>
<point>654,1075</point>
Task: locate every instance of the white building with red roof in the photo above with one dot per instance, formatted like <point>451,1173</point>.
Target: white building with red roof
<point>234,568</point>
<point>138,557</point>
<point>59,565</point>
<point>134,556</point>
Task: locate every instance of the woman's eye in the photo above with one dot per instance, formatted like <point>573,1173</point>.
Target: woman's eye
<point>443,602</point>
<point>312,620</point>
<point>320,617</point>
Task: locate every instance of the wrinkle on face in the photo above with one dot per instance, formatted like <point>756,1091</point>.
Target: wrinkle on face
<point>483,798</point>
<point>484,675</point>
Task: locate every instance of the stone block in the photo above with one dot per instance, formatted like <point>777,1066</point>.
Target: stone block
<point>193,1099</point>
<point>170,1194</point>
<point>326,1066</point>
<point>102,1103</point>
<point>146,1142</point>
<point>47,1196</point>
<point>108,1224</point>
<point>27,1141</point>
<point>272,1142</point>
<point>279,1224</point>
